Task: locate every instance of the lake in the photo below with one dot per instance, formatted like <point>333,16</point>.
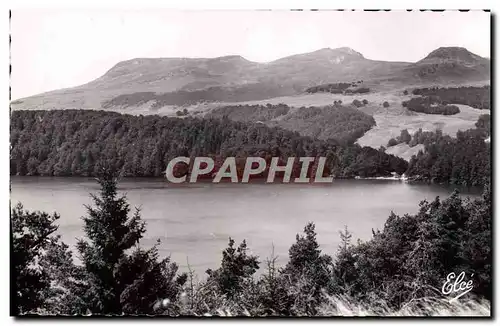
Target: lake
<point>194,221</point>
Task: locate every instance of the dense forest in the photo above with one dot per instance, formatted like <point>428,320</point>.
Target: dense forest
<point>462,160</point>
<point>430,105</point>
<point>399,271</point>
<point>338,123</point>
<point>251,113</point>
<point>339,88</point>
<point>79,142</point>
<point>477,97</point>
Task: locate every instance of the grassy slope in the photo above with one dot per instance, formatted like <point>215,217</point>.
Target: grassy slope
<point>390,121</point>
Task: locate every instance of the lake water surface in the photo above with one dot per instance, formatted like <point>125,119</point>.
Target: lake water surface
<point>194,221</point>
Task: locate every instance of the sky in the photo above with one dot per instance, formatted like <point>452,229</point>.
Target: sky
<point>53,49</point>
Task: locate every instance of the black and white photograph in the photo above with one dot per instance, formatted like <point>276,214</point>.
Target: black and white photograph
<point>250,163</point>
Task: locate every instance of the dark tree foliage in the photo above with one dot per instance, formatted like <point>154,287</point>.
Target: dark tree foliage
<point>339,123</point>
<point>411,257</point>
<point>476,250</point>
<point>385,104</point>
<point>464,160</point>
<point>119,277</point>
<point>236,267</point>
<point>360,90</point>
<point>32,233</point>
<point>477,97</point>
<point>274,291</point>
<point>408,259</point>
<point>392,142</point>
<point>344,270</point>
<point>357,103</point>
<point>79,142</point>
<point>251,113</point>
<point>425,137</point>
<point>404,137</point>
<point>430,105</point>
<point>338,88</point>
<point>329,88</point>
<point>68,281</point>
<point>368,162</point>
<point>249,92</point>
<point>484,123</point>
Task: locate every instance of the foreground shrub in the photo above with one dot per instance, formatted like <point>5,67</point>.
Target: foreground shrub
<point>236,267</point>
<point>32,235</point>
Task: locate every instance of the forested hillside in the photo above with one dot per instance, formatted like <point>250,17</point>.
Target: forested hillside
<point>78,142</point>
<point>462,160</point>
<point>438,100</point>
<point>430,106</point>
<point>477,97</point>
<point>339,123</point>
<point>340,88</point>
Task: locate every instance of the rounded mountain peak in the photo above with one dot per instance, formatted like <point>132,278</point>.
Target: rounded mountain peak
<point>339,51</point>
<point>453,53</point>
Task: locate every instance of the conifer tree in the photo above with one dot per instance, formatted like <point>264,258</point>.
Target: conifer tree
<point>344,268</point>
<point>236,267</point>
<point>31,234</point>
<point>121,277</point>
<point>309,270</point>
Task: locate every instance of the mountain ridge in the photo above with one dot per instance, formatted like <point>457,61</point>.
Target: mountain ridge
<point>234,78</point>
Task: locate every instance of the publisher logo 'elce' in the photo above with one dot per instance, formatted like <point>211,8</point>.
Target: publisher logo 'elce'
<point>457,285</point>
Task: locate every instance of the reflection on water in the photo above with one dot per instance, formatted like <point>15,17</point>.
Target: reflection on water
<point>195,220</point>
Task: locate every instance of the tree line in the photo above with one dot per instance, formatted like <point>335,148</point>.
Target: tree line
<point>477,97</point>
<point>440,100</point>
<point>430,105</point>
<point>464,160</point>
<point>404,264</point>
<point>339,88</point>
<point>338,123</point>
<point>80,142</point>
<point>461,160</point>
